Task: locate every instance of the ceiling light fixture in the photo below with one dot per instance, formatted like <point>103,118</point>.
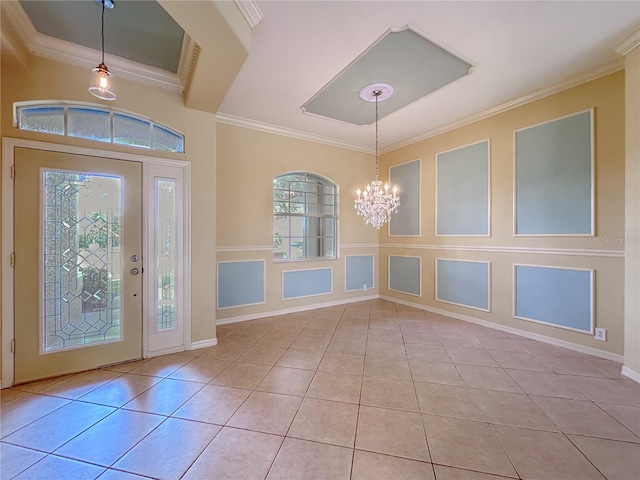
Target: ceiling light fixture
<point>376,203</point>
<point>101,83</point>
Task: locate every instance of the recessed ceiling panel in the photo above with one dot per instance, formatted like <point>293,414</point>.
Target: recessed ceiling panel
<point>141,31</point>
<point>412,64</point>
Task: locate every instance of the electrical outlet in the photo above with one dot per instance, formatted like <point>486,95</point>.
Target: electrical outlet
<point>601,334</point>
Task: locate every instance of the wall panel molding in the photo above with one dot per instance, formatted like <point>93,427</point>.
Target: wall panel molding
<point>405,274</point>
<point>519,250</point>
<point>466,283</point>
<point>541,294</point>
<point>306,283</point>
<point>407,222</point>
<point>463,191</point>
<point>359,272</point>
<point>554,177</point>
<point>241,283</point>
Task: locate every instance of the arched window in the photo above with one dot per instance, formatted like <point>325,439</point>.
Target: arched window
<point>97,123</point>
<point>304,216</point>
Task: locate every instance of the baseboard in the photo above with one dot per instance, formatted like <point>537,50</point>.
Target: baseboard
<point>633,375</point>
<point>303,308</point>
<point>211,342</point>
<point>516,331</point>
<point>476,321</point>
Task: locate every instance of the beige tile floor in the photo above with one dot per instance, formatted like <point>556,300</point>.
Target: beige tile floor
<point>371,390</point>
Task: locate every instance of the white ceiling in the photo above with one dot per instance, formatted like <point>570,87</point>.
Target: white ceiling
<point>519,49</point>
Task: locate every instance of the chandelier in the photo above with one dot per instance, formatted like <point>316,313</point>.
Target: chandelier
<point>376,202</point>
<point>101,83</point>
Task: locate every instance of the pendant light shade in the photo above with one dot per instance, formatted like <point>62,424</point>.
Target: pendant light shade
<point>101,83</point>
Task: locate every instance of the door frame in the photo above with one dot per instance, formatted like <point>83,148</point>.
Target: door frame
<point>9,145</point>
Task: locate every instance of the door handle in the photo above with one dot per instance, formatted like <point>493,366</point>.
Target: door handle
<point>135,271</point>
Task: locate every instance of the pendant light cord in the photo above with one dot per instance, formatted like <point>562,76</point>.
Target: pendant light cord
<point>103,32</point>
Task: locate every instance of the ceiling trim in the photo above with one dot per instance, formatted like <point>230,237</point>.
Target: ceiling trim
<point>250,12</point>
<point>188,58</point>
<point>59,50</point>
<point>545,92</point>
<point>571,82</point>
<point>289,132</point>
<point>628,43</point>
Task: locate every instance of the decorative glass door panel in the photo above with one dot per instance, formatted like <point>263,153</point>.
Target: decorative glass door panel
<point>82,259</point>
<point>167,251</point>
<point>78,282</point>
<point>166,265</point>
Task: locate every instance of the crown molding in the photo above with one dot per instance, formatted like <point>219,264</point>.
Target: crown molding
<point>188,58</point>
<point>62,51</point>
<point>250,12</point>
<point>288,132</point>
<point>628,43</point>
<point>571,82</point>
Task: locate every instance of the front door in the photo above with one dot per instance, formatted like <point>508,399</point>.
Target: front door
<point>78,268</point>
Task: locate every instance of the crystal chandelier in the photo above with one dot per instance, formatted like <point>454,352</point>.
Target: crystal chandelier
<point>376,203</point>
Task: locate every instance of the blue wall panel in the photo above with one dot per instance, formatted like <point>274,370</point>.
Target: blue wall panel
<point>359,271</point>
<point>464,283</point>
<point>404,274</point>
<point>407,179</point>
<point>463,191</point>
<point>557,296</point>
<point>554,170</point>
<point>305,283</point>
<point>240,283</point>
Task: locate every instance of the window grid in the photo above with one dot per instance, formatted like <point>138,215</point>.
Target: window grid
<point>22,112</point>
<point>304,217</point>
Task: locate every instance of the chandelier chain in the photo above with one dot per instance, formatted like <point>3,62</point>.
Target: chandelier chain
<point>376,202</point>
<point>377,93</point>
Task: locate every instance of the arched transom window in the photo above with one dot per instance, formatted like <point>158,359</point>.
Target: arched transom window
<point>304,216</point>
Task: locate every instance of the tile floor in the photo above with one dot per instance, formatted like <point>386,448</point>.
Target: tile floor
<point>371,390</point>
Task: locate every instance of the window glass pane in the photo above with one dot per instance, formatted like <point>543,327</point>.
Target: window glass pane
<point>313,209</point>
<point>328,210</point>
<point>328,227</point>
<point>328,247</point>
<point>328,199</point>
<point>42,119</point>
<point>302,222</point>
<point>131,131</point>
<point>280,247</point>
<point>167,140</point>
<point>296,247</point>
<point>167,254</point>
<point>297,226</point>
<point>89,123</point>
<point>82,259</point>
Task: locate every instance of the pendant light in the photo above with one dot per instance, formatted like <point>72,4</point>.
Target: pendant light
<point>101,83</point>
<point>376,203</point>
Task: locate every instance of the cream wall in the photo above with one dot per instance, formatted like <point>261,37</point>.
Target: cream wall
<point>632,234</point>
<point>606,96</point>
<point>248,161</point>
<point>42,79</point>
